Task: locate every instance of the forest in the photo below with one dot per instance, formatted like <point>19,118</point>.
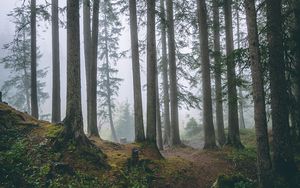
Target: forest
<point>150,93</point>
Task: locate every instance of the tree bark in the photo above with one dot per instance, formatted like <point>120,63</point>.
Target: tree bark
<point>34,99</point>
<point>93,71</point>
<point>27,76</point>
<point>73,129</point>
<point>164,62</point>
<point>218,75</point>
<point>240,93</point>
<point>297,67</point>
<point>151,74</point>
<point>138,108</point>
<point>109,102</point>
<point>158,117</point>
<point>209,132</point>
<point>56,110</point>
<point>283,158</point>
<point>264,165</point>
<point>175,137</point>
<point>233,122</point>
<point>88,57</point>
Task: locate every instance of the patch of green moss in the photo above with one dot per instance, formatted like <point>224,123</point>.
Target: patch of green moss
<point>248,137</point>
<point>54,131</point>
<point>233,181</point>
<point>246,154</point>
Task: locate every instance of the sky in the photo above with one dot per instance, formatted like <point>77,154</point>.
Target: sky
<point>44,42</point>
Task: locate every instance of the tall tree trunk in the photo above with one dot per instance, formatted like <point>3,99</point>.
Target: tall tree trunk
<point>175,138</point>
<point>218,74</point>
<point>264,165</point>
<point>233,121</point>
<point>158,117</point>
<point>73,128</point>
<point>34,99</point>
<point>164,62</point>
<point>56,112</point>
<point>138,108</point>
<point>26,75</point>
<point>93,71</point>
<point>297,67</point>
<point>283,155</point>
<point>87,56</point>
<point>151,73</point>
<point>109,102</point>
<point>209,132</point>
<point>240,93</point>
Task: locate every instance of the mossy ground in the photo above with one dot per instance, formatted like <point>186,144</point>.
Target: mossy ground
<point>27,159</point>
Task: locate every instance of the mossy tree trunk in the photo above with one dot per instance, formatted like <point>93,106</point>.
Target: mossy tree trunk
<point>73,122</point>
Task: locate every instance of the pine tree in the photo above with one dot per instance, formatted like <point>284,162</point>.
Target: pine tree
<point>34,97</point>
<point>233,124</point>
<point>218,74</point>
<point>283,158</point>
<point>56,109</point>
<point>108,83</point>
<point>16,90</point>
<point>264,166</point>
<point>209,132</point>
<point>175,138</point>
<point>138,108</point>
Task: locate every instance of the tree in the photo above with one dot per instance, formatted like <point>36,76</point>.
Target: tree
<point>73,129</point>
<point>175,138</point>
<point>297,66</point>
<point>158,117</point>
<point>93,72</point>
<point>34,99</point>
<point>108,83</point>
<point>209,132</point>
<point>240,93</point>
<point>87,55</point>
<point>138,108</point>
<point>125,123</point>
<point>264,165</point>
<point>90,52</point>
<point>151,74</point>
<point>16,90</point>
<point>56,112</point>
<point>164,62</point>
<point>283,159</point>
<point>192,127</point>
<point>218,75</point>
<point>233,124</point>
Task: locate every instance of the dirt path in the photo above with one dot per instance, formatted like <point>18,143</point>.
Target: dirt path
<point>208,165</point>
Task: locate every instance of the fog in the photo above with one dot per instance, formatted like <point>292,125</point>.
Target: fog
<point>44,43</point>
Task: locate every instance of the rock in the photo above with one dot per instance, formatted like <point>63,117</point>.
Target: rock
<point>123,140</point>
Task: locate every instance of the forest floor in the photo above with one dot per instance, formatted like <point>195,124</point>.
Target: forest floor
<point>27,159</point>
